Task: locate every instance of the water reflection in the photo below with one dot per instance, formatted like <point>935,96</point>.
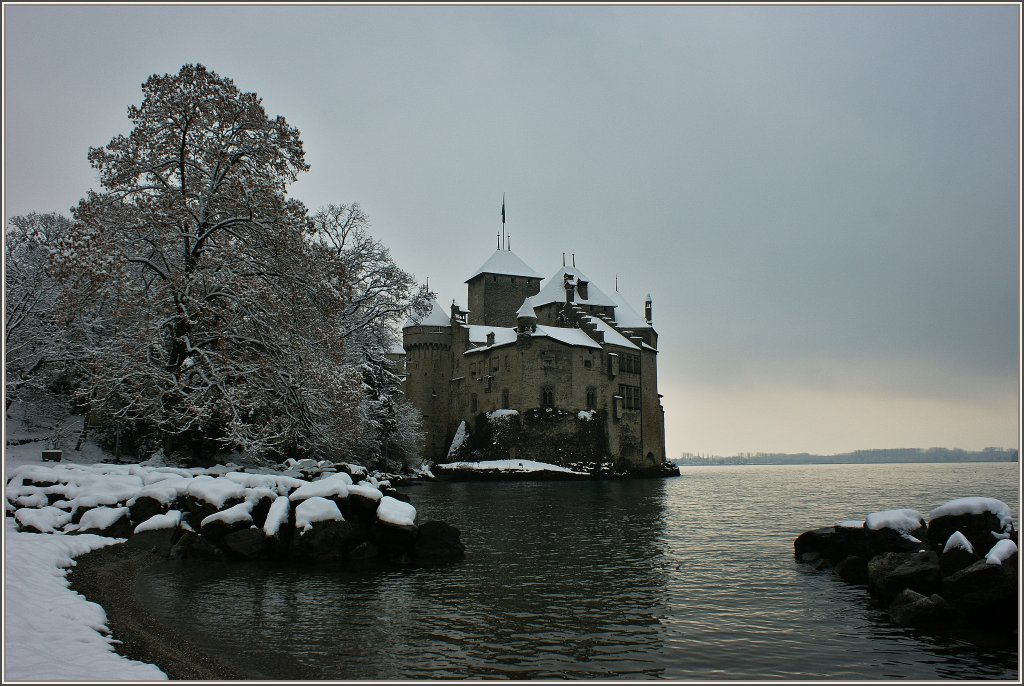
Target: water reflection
<point>563,581</point>
<point>689,578</point>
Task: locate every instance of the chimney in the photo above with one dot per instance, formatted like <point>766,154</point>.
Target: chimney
<point>582,288</point>
<point>570,288</point>
<point>490,338</point>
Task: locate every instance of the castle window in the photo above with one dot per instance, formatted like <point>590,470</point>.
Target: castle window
<point>487,383</point>
<point>547,396</point>
<point>472,402</point>
<point>588,364</point>
<point>591,398</point>
<point>504,397</point>
<point>630,397</point>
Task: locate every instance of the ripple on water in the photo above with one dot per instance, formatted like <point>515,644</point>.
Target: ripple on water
<point>689,578</point>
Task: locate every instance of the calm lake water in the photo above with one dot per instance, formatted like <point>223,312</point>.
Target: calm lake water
<point>686,579</point>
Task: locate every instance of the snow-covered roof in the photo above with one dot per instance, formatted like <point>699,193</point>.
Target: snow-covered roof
<point>436,317</point>
<point>554,290</point>
<point>526,310</point>
<point>626,316</point>
<point>611,336</point>
<point>507,336</point>
<point>568,336</point>
<point>503,335</point>
<point>396,349</point>
<point>505,262</point>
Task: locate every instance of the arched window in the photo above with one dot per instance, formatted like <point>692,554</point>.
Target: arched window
<point>504,398</point>
<point>547,396</point>
<point>472,402</point>
<point>591,398</point>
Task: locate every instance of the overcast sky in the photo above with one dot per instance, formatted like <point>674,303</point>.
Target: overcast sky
<point>822,201</point>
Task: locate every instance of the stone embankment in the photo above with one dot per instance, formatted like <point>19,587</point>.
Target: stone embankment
<point>337,513</point>
<point>958,569</point>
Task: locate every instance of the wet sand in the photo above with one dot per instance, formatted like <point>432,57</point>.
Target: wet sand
<point>108,576</point>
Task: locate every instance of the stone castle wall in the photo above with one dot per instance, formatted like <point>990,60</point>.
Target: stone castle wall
<point>494,299</point>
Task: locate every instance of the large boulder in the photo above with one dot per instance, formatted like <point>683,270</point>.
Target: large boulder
<point>159,541</point>
<point>395,530</point>
<point>394,539</point>
<point>192,545</point>
<point>982,521</point>
<point>106,521</point>
<point>910,608</point>
<point>219,524</point>
<point>957,554</point>
<point>814,542</point>
<point>438,542</point>
<point>260,508</point>
<point>144,507</point>
<point>248,544</point>
<point>323,540</point>
<point>895,531</point>
<point>890,573</point>
<point>853,570</point>
<point>984,592</point>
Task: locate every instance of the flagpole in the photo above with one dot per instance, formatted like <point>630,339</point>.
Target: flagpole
<point>503,217</point>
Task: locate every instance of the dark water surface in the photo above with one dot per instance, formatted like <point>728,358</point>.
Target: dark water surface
<point>689,578</point>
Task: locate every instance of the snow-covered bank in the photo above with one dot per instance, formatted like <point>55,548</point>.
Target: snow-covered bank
<point>505,466</point>
<point>52,633</point>
<point>532,470</point>
<point>55,512</point>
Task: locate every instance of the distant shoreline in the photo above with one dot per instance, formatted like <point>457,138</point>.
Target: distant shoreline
<point>741,462</point>
<point>873,456</point>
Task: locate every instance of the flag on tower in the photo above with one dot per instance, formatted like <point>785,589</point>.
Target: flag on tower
<point>502,208</point>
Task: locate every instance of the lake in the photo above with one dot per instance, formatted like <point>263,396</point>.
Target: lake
<point>685,579</point>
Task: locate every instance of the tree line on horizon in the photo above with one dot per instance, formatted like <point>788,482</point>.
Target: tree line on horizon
<point>192,306</point>
<point>878,455</point>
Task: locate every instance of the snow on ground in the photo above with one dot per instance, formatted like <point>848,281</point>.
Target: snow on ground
<point>52,633</point>
<point>850,524</point>
<point>504,412</point>
<point>976,505</point>
<point>505,466</point>
<point>460,438</point>
<point>900,520</point>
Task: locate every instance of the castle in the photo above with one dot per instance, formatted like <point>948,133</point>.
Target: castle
<point>562,372</point>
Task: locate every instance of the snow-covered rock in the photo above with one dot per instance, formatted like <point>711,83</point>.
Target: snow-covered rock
<point>315,509</point>
<point>1001,552</point>
<point>168,520</point>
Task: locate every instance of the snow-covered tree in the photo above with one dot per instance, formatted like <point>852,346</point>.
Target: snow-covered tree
<point>223,305</point>
<point>34,351</point>
<point>381,297</point>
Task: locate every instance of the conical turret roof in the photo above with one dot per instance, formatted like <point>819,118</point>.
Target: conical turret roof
<point>436,317</point>
<point>505,262</point>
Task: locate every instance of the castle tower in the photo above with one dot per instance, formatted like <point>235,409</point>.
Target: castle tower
<point>498,288</point>
<point>427,342</point>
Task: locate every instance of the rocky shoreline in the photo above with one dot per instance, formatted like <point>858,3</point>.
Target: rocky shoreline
<point>315,513</point>
<point>108,576</point>
<point>955,572</point>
